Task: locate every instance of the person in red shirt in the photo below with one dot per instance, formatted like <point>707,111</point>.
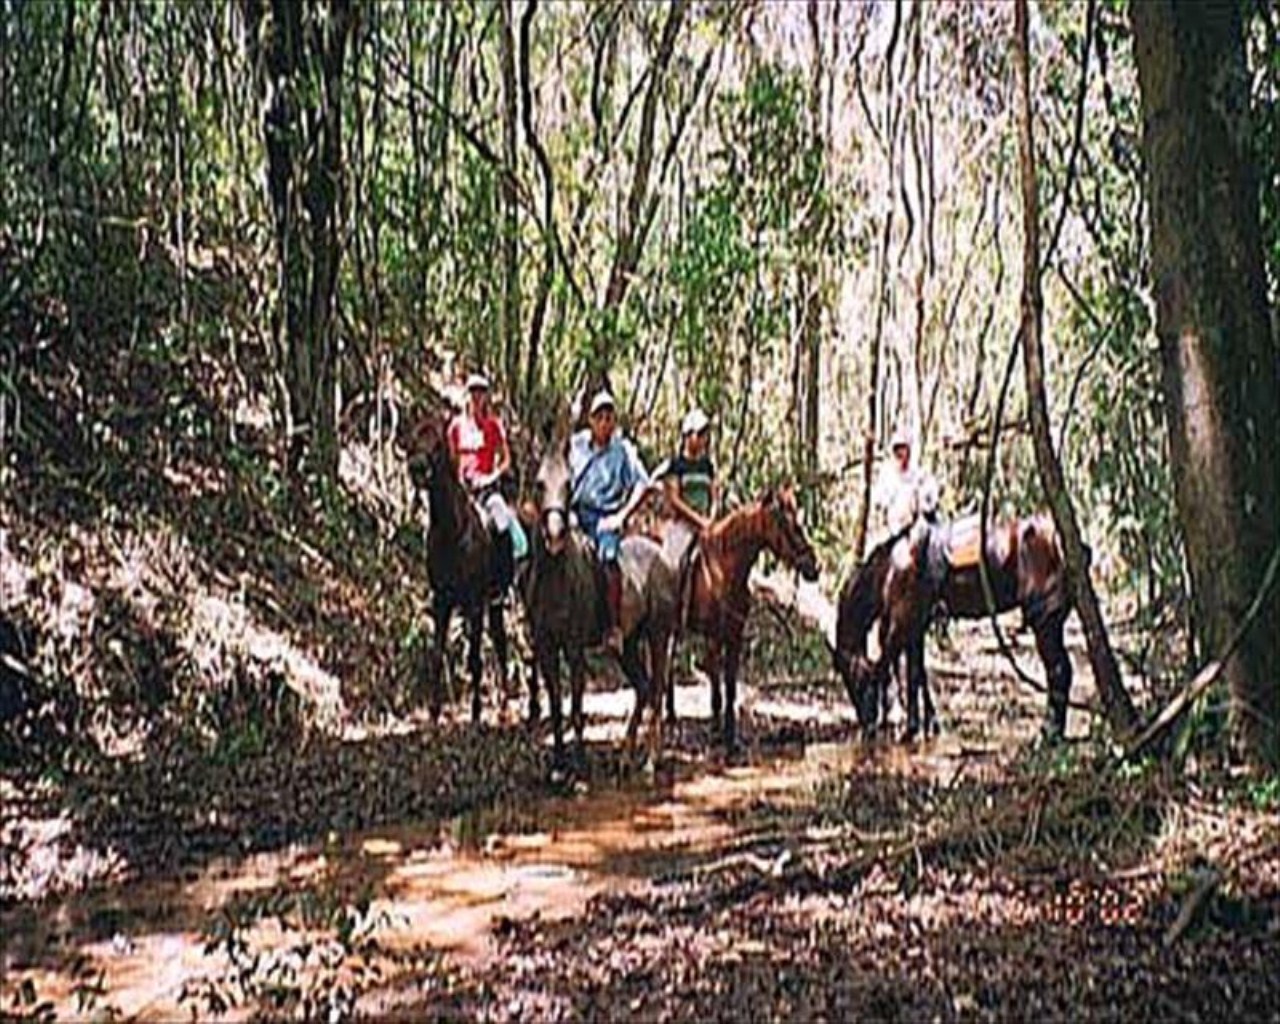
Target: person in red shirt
<point>478,445</point>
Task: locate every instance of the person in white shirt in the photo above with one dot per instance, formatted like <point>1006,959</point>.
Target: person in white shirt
<point>904,490</point>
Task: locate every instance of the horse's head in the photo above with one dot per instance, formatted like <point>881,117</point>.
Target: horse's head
<point>551,486</point>
<point>427,449</point>
<point>858,675</point>
<point>784,535</point>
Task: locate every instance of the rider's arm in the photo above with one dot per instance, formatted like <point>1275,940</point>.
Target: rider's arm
<point>502,461</point>
<point>685,510</point>
<point>638,482</point>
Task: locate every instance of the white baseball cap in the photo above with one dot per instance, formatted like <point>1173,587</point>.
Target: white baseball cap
<point>603,400</point>
<point>695,421</point>
<point>477,382</point>
<point>901,439</point>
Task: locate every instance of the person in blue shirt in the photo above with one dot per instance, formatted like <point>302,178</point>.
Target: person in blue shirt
<point>609,484</point>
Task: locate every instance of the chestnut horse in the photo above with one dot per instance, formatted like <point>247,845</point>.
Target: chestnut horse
<point>715,598</point>
<point>465,565</point>
<point>1026,571</point>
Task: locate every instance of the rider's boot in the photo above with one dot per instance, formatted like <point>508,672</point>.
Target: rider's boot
<point>613,600</point>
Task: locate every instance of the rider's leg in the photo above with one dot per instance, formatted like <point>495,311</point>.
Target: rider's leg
<point>609,544</point>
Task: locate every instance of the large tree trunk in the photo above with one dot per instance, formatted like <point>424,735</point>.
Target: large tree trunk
<point>1221,361</point>
<point>1106,672</point>
<point>303,133</point>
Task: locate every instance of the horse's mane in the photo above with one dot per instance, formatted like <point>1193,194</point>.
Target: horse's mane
<point>726,530</point>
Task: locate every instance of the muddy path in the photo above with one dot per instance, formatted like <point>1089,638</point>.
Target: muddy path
<point>461,912</point>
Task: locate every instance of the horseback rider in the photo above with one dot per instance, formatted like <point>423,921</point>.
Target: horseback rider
<point>478,446</point>
<point>692,491</point>
<point>907,497</point>
<point>609,484</point>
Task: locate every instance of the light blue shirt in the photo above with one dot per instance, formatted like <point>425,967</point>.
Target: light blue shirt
<point>603,478</point>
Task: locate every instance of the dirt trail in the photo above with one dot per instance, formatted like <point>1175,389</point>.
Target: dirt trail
<point>447,889</point>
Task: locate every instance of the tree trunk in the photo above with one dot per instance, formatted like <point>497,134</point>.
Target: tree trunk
<point>547,275</point>
<point>812,277</point>
<point>631,233</point>
<point>892,117</point>
<point>1221,376</point>
<point>303,130</point>
<point>510,202</point>
<point>1106,671</point>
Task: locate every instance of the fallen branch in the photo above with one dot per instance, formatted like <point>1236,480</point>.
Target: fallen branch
<point>1191,906</point>
<point>1208,675</point>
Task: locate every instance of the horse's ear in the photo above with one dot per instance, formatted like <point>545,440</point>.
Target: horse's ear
<point>563,423</point>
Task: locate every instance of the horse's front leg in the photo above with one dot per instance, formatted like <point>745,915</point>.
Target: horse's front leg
<point>660,683</point>
<point>669,687</point>
<point>441,613</point>
<point>714,668</point>
<point>535,709</point>
<point>475,663</point>
<point>732,652</point>
<point>915,683</point>
<point>549,664</point>
<point>577,685</point>
<point>498,633</point>
<point>634,669</point>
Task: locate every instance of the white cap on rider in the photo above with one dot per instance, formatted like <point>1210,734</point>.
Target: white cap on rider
<point>603,400</point>
<point>695,422</point>
<point>901,439</point>
<point>477,382</point>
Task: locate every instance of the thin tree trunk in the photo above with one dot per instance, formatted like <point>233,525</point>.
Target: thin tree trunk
<point>510,201</point>
<point>1106,671</point>
<point>1221,377</point>
<point>631,234</point>
<point>815,231</point>
<point>882,299</point>
<point>547,274</point>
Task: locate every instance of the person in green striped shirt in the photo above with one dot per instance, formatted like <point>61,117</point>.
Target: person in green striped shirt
<point>692,491</point>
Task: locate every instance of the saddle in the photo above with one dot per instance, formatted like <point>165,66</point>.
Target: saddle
<point>963,541</point>
<point>943,548</point>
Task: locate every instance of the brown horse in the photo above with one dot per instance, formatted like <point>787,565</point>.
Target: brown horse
<point>467,568</point>
<point>1026,571</point>
<point>565,604</point>
<point>714,588</point>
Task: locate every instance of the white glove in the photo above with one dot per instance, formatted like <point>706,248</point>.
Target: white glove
<point>611,523</point>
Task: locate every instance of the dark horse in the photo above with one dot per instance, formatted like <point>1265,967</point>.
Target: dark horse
<point>715,595</point>
<point>466,564</point>
<point>565,603</point>
<point>1026,571</point>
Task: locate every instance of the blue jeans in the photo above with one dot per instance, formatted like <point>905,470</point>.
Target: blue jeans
<point>607,542</point>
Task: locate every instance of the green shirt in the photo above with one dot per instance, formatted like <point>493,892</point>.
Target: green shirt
<point>694,477</point>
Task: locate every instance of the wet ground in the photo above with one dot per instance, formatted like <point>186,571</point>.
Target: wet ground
<point>547,903</point>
